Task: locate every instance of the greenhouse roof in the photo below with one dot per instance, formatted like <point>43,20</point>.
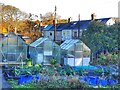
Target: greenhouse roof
<point>68,43</point>
<point>38,42</point>
<point>13,35</point>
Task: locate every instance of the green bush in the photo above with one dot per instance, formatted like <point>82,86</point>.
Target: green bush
<point>66,70</point>
<point>46,84</point>
<point>53,62</point>
<point>108,59</point>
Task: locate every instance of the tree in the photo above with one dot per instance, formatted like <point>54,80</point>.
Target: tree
<point>49,17</point>
<point>101,38</point>
<point>11,16</point>
<point>92,35</point>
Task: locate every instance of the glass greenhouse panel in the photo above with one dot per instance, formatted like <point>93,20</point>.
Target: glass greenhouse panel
<point>79,47</point>
<point>44,50</point>
<point>48,48</point>
<point>57,53</point>
<point>78,54</point>
<point>13,48</point>
<point>72,52</point>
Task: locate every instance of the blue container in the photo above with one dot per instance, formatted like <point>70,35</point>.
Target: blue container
<point>112,82</point>
<point>86,78</point>
<point>37,77</point>
<point>102,82</point>
<point>21,79</point>
<point>29,79</point>
<point>93,80</point>
<point>25,79</point>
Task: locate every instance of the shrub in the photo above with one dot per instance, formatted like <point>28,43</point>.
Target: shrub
<point>53,62</point>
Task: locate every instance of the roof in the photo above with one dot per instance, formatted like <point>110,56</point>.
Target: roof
<point>13,35</point>
<point>103,19</point>
<point>26,37</point>
<point>49,27</point>
<point>74,25</point>
<point>38,42</point>
<point>68,43</point>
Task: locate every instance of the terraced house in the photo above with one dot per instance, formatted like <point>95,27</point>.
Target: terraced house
<point>72,30</point>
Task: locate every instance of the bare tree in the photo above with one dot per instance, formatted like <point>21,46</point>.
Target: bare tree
<point>49,17</point>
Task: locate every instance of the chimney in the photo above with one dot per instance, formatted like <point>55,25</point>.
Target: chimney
<point>93,16</point>
<point>69,20</point>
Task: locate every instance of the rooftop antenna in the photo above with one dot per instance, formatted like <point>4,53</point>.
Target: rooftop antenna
<point>54,22</point>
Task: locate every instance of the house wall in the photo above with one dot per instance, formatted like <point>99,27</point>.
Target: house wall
<point>50,35</point>
<point>63,35</point>
<point>66,34</point>
<point>59,35</point>
<point>75,33</point>
<point>110,22</point>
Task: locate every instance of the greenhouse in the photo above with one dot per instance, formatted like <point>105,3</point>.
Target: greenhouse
<point>43,51</point>
<point>75,53</point>
<point>12,48</point>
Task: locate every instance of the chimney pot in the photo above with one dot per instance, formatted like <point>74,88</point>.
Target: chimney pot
<point>93,16</point>
<point>69,20</point>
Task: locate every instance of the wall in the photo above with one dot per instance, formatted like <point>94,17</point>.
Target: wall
<point>50,35</point>
<point>62,35</point>
<point>110,22</point>
<point>47,34</point>
<point>66,34</point>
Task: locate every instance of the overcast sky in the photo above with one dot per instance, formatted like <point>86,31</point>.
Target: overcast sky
<point>68,8</point>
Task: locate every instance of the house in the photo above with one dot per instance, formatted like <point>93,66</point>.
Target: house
<point>49,31</point>
<point>72,30</point>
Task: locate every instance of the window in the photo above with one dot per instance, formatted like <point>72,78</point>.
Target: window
<point>68,33</point>
<point>64,33</point>
<point>50,34</point>
<point>75,34</point>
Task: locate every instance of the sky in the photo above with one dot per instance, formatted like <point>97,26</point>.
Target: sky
<point>68,8</point>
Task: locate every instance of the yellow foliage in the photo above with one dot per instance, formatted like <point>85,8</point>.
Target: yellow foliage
<point>4,30</point>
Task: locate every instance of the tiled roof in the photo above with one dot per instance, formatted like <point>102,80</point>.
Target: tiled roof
<point>74,25</point>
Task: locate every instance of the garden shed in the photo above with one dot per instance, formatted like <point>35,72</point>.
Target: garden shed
<point>43,50</point>
<point>75,53</point>
<point>12,48</point>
